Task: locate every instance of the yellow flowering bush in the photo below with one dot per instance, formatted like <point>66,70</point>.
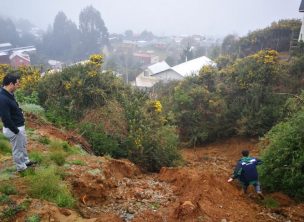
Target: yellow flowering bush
<point>29,75</point>
<point>96,59</point>
<point>157,106</point>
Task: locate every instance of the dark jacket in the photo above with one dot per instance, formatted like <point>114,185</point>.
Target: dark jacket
<point>10,112</point>
<point>246,170</point>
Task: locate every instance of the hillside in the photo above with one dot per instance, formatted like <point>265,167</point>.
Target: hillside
<point>106,189</point>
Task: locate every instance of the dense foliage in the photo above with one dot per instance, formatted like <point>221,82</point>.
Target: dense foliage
<point>283,157</point>
<point>117,120</point>
<point>277,36</point>
<point>241,98</point>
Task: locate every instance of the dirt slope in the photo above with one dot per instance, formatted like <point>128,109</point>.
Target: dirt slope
<point>116,190</point>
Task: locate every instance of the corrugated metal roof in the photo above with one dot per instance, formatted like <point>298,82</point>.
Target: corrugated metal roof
<point>158,67</point>
<point>301,9</point>
<point>7,44</point>
<point>193,66</point>
<point>3,53</point>
<point>21,55</point>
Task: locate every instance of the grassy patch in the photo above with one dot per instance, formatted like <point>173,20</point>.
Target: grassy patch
<point>5,147</point>
<point>4,198</point>
<point>47,185</point>
<point>8,189</point>
<point>44,140</point>
<point>77,162</point>
<point>33,218</point>
<point>269,202</point>
<point>58,157</point>
<point>7,173</point>
<point>37,156</point>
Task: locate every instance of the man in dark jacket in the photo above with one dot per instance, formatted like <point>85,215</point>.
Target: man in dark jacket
<point>247,173</point>
<point>13,121</point>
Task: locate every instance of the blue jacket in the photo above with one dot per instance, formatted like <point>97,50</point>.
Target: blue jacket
<point>246,170</point>
<point>10,112</point>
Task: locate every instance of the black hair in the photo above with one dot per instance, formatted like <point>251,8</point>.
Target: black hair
<point>12,77</point>
<point>245,153</point>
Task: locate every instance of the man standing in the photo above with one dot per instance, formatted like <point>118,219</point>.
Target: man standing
<point>247,173</point>
<point>13,121</point>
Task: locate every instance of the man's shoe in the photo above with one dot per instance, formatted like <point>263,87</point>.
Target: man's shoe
<point>31,163</point>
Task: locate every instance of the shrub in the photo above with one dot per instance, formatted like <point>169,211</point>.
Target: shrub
<point>47,185</point>
<point>32,108</point>
<point>102,143</point>
<point>283,157</point>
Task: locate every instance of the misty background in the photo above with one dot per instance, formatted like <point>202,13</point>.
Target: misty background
<point>169,17</point>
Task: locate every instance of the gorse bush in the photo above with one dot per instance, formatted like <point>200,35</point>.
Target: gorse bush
<point>283,157</point>
<point>241,98</point>
<point>116,120</point>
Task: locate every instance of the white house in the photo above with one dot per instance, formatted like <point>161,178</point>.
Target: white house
<point>146,78</point>
<point>183,70</point>
<point>301,9</point>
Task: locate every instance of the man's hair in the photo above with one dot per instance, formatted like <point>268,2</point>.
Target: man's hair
<point>10,78</point>
<point>245,153</point>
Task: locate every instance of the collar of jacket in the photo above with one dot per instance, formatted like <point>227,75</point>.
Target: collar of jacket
<point>5,92</point>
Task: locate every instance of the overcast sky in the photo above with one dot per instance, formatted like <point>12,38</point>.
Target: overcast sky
<point>162,17</point>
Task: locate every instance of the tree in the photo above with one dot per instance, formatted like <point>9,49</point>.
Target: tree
<point>8,32</point>
<point>94,34</point>
<point>129,34</point>
<point>62,40</point>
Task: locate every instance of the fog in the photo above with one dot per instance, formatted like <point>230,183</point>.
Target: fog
<point>162,17</point>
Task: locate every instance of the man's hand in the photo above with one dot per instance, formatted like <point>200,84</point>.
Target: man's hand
<point>229,180</point>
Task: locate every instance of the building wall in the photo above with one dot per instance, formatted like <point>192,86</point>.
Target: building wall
<point>301,37</point>
<point>168,75</point>
<point>18,61</point>
<point>4,59</point>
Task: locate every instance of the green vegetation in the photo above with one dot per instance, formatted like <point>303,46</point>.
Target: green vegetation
<point>4,198</point>
<point>117,120</point>
<point>46,184</point>
<point>9,212</point>
<point>5,147</point>
<point>269,202</point>
<point>277,37</point>
<point>77,162</point>
<point>33,218</point>
<point>283,157</point>
<point>8,189</point>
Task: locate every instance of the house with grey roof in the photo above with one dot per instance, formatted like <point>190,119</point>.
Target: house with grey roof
<point>178,72</point>
<point>146,78</point>
<point>301,9</point>
<point>161,71</point>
